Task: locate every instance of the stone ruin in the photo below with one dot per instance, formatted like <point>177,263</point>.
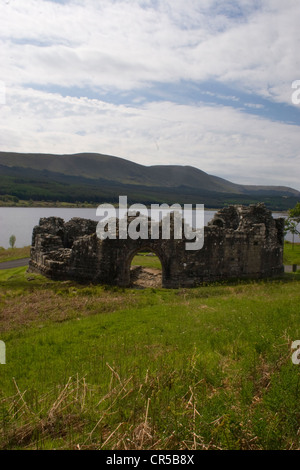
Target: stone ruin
<point>239,242</point>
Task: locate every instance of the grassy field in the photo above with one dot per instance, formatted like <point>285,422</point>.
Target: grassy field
<point>14,253</point>
<point>95,367</point>
<point>291,253</point>
<point>148,260</point>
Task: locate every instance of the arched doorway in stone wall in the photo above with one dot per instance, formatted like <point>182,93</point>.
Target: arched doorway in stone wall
<point>144,268</point>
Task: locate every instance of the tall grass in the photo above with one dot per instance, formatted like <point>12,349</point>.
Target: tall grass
<point>14,253</point>
<point>106,368</point>
<point>291,254</point>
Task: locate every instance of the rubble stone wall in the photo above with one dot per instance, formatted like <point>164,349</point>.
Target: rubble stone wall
<point>240,242</point>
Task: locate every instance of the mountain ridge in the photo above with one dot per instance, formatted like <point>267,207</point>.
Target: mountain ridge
<point>94,166</point>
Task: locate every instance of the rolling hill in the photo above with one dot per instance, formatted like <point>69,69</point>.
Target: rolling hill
<point>96,177</point>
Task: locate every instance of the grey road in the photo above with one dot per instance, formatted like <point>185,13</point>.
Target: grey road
<point>17,263</point>
<point>289,269</point>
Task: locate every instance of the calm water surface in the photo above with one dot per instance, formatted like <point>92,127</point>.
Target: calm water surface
<point>20,221</point>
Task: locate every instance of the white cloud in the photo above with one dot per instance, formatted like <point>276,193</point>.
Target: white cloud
<point>254,105</point>
<point>220,140</point>
<point>125,45</point>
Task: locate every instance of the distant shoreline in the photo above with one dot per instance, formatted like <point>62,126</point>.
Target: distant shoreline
<point>68,205</point>
<point>79,205</point>
<point>35,204</point>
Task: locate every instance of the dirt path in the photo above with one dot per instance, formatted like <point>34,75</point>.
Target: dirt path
<point>142,277</point>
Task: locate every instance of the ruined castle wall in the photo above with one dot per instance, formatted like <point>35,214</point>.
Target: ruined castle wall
<point>239,242</point>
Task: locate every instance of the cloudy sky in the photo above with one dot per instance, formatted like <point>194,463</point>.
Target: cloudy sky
<point>206,83</point>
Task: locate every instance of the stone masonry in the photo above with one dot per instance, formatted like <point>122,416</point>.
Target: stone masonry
<point>240,242</point>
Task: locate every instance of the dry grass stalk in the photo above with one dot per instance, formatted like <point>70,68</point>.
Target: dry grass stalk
<point>111,435</point>
<point>145,427</point>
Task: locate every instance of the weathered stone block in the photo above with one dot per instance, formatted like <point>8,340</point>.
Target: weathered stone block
<point>239,242</point>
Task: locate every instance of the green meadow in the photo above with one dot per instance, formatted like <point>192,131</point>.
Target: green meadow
<point>97,367</point>
<point>291,253</point>
<point>14,253</point>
